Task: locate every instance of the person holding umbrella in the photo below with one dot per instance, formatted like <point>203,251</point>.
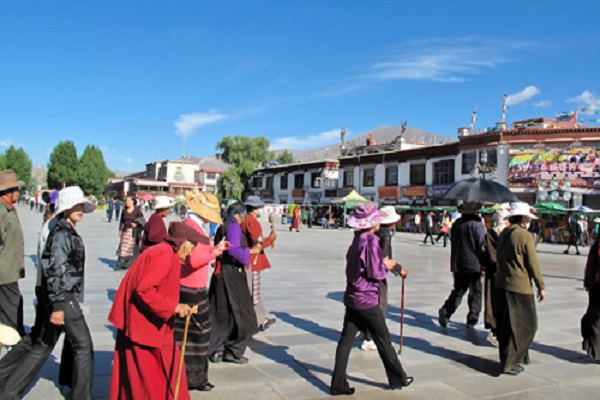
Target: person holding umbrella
<point>467,236</point>
<point>365,269</point>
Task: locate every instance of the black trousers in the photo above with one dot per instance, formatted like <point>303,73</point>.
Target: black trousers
<point>11,306</point>
<point>361,320</point>
<point>464,281</point>
<point>428,234</point>
<point>31,362</point>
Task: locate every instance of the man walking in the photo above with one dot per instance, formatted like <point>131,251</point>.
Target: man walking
<point>117,209</point>
<point>12,250</point>
<point>467,235</point>
<point>111,209</point>
<point>429,227</point>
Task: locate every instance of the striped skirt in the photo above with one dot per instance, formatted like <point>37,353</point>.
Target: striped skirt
<point>198,338</point>
<point>126,244</point>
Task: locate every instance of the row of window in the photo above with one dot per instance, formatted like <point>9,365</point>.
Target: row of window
<point>443,173</point>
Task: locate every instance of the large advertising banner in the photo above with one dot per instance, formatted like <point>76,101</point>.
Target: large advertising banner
<point>579,166</point>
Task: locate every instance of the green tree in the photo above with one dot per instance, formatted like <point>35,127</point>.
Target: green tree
<point>92,172</point>
<point>285,158</point>
<point>18,161</point>
<point>62,166</point>
<point>245,154</point>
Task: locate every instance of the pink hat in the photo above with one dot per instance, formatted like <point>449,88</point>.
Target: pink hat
<point>365,216</point>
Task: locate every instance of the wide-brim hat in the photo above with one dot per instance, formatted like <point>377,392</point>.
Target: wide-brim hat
<point>520,209</point>
<point>254,202</point>
<point>162,202</point>
<point>469,208</point>
<point>365,216</point>
<point>8,336</point>
<point>391,216</point>
<point>71,196</point>
<point>205,205</point>
<point>8,180</point>
<point>596,220</point>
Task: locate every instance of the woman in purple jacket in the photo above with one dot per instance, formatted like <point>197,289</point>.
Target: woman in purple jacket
<point>365,269</point>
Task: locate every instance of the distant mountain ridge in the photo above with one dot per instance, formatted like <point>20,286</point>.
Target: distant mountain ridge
<point>381,135</point>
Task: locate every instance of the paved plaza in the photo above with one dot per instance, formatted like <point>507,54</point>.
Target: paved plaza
<point>294,358</point>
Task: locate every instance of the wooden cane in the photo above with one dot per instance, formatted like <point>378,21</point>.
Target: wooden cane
<point>401,318</point>
<point>185,333</point>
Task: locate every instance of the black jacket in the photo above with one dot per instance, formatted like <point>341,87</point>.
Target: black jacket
<point>63,260</point>
<point>467,235</point>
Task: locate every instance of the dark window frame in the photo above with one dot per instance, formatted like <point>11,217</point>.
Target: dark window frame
<point>368,180</point>
<point>444,172</point>
<point>284,181</point>
<point>418,174</point>
<point>388,179</point>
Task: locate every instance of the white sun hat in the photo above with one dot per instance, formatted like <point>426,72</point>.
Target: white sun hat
<point>520,208</point>
<point>71,196</point>
<point>162,202</point>
<point>8,336</point>
<point>391,216</point>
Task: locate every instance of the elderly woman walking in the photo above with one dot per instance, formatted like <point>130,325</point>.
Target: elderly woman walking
<point>131,217</point>
<point>516,316</point>
<point>590,323</point>
<point>231,309</point>
<point>155,231</point>
<point>203,208</point>
<point>366,268</point>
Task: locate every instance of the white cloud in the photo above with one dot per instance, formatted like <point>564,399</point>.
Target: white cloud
<point>306,142</point>
<point>542,104</point>
<point>129,160</point>
<point>5,143</point>
<point>588,98</point>
<point>186,124</point>
<point>444,59</point>
<point>523,95</point>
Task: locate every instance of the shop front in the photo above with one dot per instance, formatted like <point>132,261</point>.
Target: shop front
<point>389,195</point>
<point>414,195</point>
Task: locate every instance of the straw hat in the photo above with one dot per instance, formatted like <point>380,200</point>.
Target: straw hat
<point>391,216</point>
<point>365,216</point>
<point>71,196</point>
<point>8,336</point>
<point>8,180</point>
<point>205,205</point>
<point>520,208</point>
<point>596,220</point>
<point>162,202</point>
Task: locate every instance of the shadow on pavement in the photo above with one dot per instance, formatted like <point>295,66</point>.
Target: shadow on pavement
<point>111,263</point>
<point>280,355</point>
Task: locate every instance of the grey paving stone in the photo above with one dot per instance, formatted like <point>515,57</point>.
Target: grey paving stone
<point>294,359</point>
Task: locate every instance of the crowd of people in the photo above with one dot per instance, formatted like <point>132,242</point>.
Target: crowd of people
<point>165,305</point>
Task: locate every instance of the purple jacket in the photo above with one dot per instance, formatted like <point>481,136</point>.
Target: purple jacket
<point>364,271</point>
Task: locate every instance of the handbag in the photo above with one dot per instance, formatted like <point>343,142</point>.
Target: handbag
<point>445,229</point>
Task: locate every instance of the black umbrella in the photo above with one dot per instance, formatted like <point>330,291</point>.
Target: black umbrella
<point>480,191</point>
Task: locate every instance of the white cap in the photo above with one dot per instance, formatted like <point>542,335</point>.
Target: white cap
<point>162,202</point>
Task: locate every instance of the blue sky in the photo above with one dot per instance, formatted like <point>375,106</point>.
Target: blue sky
<point>141,78</point>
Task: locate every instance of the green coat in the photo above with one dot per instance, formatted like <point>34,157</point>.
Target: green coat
<point>12,245</point>
<point>517,261</point>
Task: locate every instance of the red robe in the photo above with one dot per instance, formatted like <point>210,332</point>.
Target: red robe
<point>296,218</point>
<point>155,231</point>
<point>252,230</point>
<point>146,357</point>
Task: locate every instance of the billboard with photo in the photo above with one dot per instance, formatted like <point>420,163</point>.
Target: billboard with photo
<point>579,166</point>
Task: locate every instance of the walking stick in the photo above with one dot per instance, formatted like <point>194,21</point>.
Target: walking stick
<point>185,333</point>
<point>401,318</point>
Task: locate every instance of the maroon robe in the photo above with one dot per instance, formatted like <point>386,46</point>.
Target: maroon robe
<point>146,357</point>
<point>155,231</point>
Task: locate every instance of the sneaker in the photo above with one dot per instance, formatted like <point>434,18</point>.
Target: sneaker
<point>492,339</point>
<point>566,252</point>
<point>443,317</point>
<point>368,345</point>
<point>578,253</point>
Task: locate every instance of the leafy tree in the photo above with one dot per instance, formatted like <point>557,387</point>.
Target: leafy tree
<point>62,166</point>
<point>92,172</point>
<point>245,154</point>
<point>285,158</point>
<point>2,162</point>
<point>18,161</point>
